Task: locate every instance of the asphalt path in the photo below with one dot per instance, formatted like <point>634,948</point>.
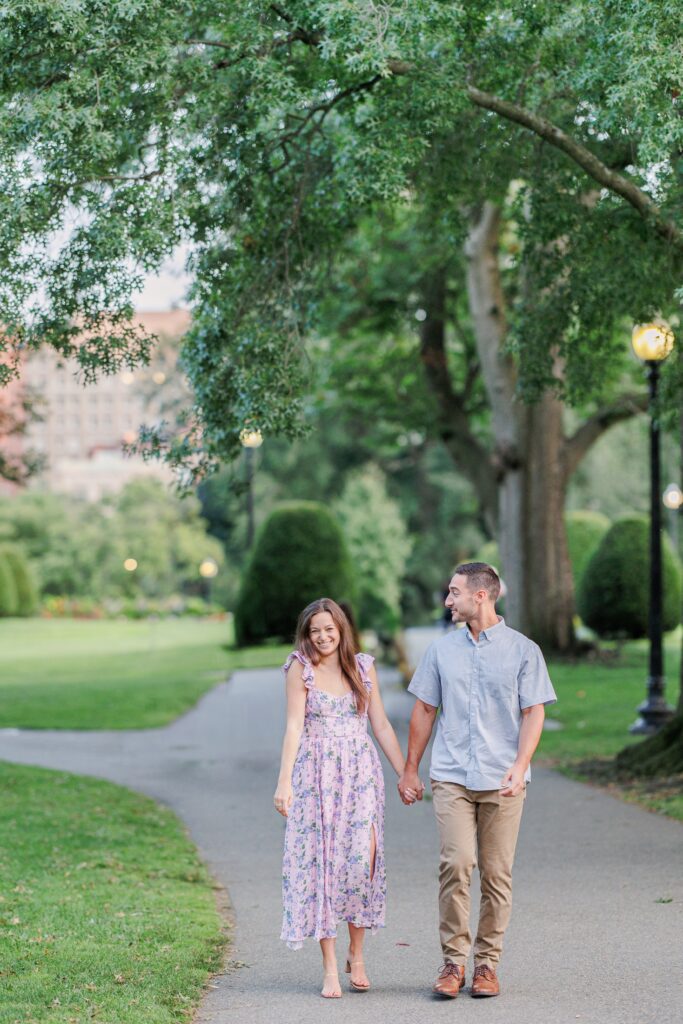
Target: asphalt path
<point>597,928</point>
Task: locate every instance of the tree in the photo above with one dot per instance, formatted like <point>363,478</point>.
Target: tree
<point>155,122</point>
<point>386,283</point>
<point>18,408</point>
<point>379,546</point>
<point>77,549</point>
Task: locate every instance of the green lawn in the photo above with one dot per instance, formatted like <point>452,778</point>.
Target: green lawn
<point>75,674</point>
<point>596,705</point>
<point>106,912</point>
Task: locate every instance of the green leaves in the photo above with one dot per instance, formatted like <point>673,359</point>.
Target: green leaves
<point>261,134</point>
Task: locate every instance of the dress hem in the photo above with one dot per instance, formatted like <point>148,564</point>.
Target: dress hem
<point>298,943</point>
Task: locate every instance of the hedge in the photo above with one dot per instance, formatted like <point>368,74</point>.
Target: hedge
<point>299,555</point>
<point>8,589</point>
<point>613,598</point>
<point>26,597</point>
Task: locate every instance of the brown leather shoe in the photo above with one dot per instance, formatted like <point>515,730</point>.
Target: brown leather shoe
<point>485,982</point>
<point>451,979</point>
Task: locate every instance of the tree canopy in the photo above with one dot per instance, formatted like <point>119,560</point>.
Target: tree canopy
<point>261,133</point>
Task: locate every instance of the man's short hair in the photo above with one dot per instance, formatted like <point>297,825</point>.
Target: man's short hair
<point>480,576</point>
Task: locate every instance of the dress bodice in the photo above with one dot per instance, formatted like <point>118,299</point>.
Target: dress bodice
<point>327,714</point>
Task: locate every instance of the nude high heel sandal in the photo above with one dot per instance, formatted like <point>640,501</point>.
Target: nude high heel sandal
<point>354,985</point>
<point>334,995</point>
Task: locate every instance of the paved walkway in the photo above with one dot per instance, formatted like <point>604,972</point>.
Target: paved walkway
<point>588,942</point>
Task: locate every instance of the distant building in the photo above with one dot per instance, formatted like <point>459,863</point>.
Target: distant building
<point>84,427</point>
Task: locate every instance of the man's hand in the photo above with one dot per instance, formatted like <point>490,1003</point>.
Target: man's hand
<point>513,783</point>
<point>410,787</point>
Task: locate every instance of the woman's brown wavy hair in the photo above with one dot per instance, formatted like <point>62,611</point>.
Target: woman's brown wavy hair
<point>347,645</point>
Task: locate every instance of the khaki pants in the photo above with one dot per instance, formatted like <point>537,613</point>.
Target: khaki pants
<point>475,827</point>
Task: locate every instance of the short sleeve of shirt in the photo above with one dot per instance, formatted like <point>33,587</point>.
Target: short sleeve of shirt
<point>534,682</point>
<point>426,682</point>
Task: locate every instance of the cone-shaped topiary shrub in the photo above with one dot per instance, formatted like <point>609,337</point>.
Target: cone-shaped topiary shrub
<point>26,597</point>
<point>299,555</point>
<point>614,592</point>
<point>8,590</point>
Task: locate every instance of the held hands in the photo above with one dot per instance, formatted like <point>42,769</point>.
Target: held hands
<point>410,787</point>
<point>283,798</point>
<point>513,782</point>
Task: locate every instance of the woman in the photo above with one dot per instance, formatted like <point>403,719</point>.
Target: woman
<point>331,790</point>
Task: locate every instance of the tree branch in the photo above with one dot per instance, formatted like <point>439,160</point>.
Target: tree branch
<point>582,156</point>
<point>319,108</point>
<point>578,445</point>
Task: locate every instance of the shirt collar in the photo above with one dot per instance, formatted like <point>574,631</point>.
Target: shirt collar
<point>488,634</point>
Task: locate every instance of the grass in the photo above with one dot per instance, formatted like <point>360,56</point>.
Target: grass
<point>75,674</point>
<point>106,912</point>
<point>597,703</point>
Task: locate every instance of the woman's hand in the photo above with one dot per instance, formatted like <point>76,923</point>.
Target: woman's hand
<point>283,798</point>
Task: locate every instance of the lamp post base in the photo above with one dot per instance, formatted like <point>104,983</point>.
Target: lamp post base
<point>654,712</point>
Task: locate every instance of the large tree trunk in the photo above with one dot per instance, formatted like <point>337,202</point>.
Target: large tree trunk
<point>529,461</point>
<point>532,532</point>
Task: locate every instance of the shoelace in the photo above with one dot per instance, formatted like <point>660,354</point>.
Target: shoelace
<point>449,968</point>
<point>484,971</point>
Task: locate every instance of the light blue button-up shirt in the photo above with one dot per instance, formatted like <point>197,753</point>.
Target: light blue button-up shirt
<point>481,687</point>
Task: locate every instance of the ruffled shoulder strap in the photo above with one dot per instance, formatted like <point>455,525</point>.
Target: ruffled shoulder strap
<point>365,663</point>
<point>307,668</point>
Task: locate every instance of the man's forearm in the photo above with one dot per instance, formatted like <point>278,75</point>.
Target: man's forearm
<point>421,725</point>
<point>529,734</point>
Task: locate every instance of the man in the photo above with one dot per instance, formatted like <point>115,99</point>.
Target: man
<point>491,684</point>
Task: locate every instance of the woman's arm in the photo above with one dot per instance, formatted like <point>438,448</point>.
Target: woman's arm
<point>382,727</point>
<point>296,710</point>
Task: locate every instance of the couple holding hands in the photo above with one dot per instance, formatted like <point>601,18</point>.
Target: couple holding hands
<point>491,685</point>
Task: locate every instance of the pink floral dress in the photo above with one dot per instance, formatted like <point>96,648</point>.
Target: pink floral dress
<point>338,790</point>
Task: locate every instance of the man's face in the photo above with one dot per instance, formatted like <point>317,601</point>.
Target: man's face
<point>461,600</point>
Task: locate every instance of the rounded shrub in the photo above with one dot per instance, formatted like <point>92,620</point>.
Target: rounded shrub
<point>614,591</point>
<point>299,555</point>
<point>26,596</point>
<point>585,530</point>
<point>8,590</point>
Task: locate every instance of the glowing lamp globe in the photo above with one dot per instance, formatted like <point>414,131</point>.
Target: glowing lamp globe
<point>251,438</point>
<point>673,497</point>
<point>652,342</point>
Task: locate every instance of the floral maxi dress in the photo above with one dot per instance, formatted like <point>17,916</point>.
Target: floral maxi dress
<point>338,798</point>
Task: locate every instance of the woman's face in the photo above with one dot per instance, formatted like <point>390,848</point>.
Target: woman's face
<point>324,634</point>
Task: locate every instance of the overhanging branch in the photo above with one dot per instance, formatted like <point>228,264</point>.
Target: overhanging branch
<point>582,156</point>
<point>578,445</point>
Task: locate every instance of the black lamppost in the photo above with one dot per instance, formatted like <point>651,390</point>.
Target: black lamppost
<point>652,343</point>
<point>251,440</point>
